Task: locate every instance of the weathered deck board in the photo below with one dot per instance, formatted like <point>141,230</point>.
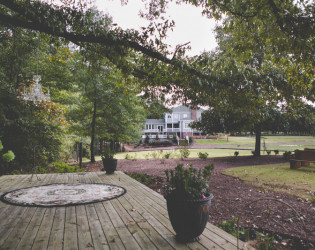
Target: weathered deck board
<point>136,220</point>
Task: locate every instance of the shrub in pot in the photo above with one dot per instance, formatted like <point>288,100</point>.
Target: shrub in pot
<point>109,163</point>
<point>188,200</point>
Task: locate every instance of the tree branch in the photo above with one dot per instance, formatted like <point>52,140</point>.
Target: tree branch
<point>107,38</point>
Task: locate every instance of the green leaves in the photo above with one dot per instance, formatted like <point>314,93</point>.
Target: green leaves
<point>188,183</point>
<point>9,156</point>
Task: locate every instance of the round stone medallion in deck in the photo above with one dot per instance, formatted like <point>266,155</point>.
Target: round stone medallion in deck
<point>62,194</point>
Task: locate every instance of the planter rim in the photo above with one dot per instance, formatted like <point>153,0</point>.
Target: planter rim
<point>174,198</point>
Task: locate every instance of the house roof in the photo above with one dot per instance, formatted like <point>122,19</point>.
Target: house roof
<point>184,108</point>
<point>155,121</point>
<point>181,108</point>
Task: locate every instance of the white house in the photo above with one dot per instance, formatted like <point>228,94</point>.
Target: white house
<point>175,123</point>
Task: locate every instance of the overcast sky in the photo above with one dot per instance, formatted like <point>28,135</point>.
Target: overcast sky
<point>191,26</point>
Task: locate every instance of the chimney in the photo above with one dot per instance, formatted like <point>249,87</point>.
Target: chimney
<point>193,114</point>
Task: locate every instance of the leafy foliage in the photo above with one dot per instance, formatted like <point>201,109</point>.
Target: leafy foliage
<point>203,156</point>
<point>184,153</point>
<point>61,167</point>
<point>108,153</point>
<point>160,143</point>
<point>6,157</point>
<point>230,226</point>
<point>287,155</point>
<point>188,183</point>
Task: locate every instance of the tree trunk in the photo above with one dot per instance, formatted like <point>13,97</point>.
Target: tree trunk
<point>80,154</point>
<point>258,140</point>
<point>93,132</point>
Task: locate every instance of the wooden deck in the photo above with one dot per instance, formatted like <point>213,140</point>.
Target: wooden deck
<point>136,220</point>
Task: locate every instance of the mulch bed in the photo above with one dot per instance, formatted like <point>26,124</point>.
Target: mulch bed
<point>231,195</point>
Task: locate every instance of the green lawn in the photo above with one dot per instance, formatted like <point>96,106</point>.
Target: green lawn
<point>282,143</point>
<point>158,154</point>
<point>288,143</point>
<point>279,177</point>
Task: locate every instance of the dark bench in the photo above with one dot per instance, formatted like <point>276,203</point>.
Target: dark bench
<point>302,158</point>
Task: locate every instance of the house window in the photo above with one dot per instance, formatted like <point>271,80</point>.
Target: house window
<point>186,125</point>
<point>184,115</point>
<point>169,116</point>
<point>149,126</point>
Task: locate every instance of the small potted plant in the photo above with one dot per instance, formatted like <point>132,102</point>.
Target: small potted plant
<point>109,163</point>
<point>188,200</point>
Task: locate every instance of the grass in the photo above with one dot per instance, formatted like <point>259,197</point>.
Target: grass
<point>279,177</point>
<point>234,143</point>
<point>158,154</point>
<point>282,143</point>
<point>175,153</point>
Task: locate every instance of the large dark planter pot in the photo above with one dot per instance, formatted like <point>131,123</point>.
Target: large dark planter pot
<point>109,165</point>
<point>188,217</point>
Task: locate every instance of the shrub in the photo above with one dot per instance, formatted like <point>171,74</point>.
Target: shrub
<point>183,143</point>
<point>154,155</point>
<point>174,139</point>
<point>9,156</point>
<point>41,170</point>
<point>86,152</point>
<point>167,155</point>
<point>184,153</point>
<point>160,143</point>
<point>203,156</point>
<point>268,152</point>
<point>276,151</point>
<point>16,172</point>
<point>61,167</point>
<point>147,139</point>
<point>108,153</point>
<point>188,183</point>
<point>287,155</point>
<point>127,157</point>
<point>236,153</point>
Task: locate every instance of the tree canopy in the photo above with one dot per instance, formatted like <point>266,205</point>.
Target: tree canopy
<point>288,27</point>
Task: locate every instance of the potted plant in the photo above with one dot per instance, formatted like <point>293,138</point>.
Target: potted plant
<point>109,163</point>
<point>188,200</point>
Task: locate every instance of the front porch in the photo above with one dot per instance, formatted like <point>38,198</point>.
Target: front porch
<point>136,220</point>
